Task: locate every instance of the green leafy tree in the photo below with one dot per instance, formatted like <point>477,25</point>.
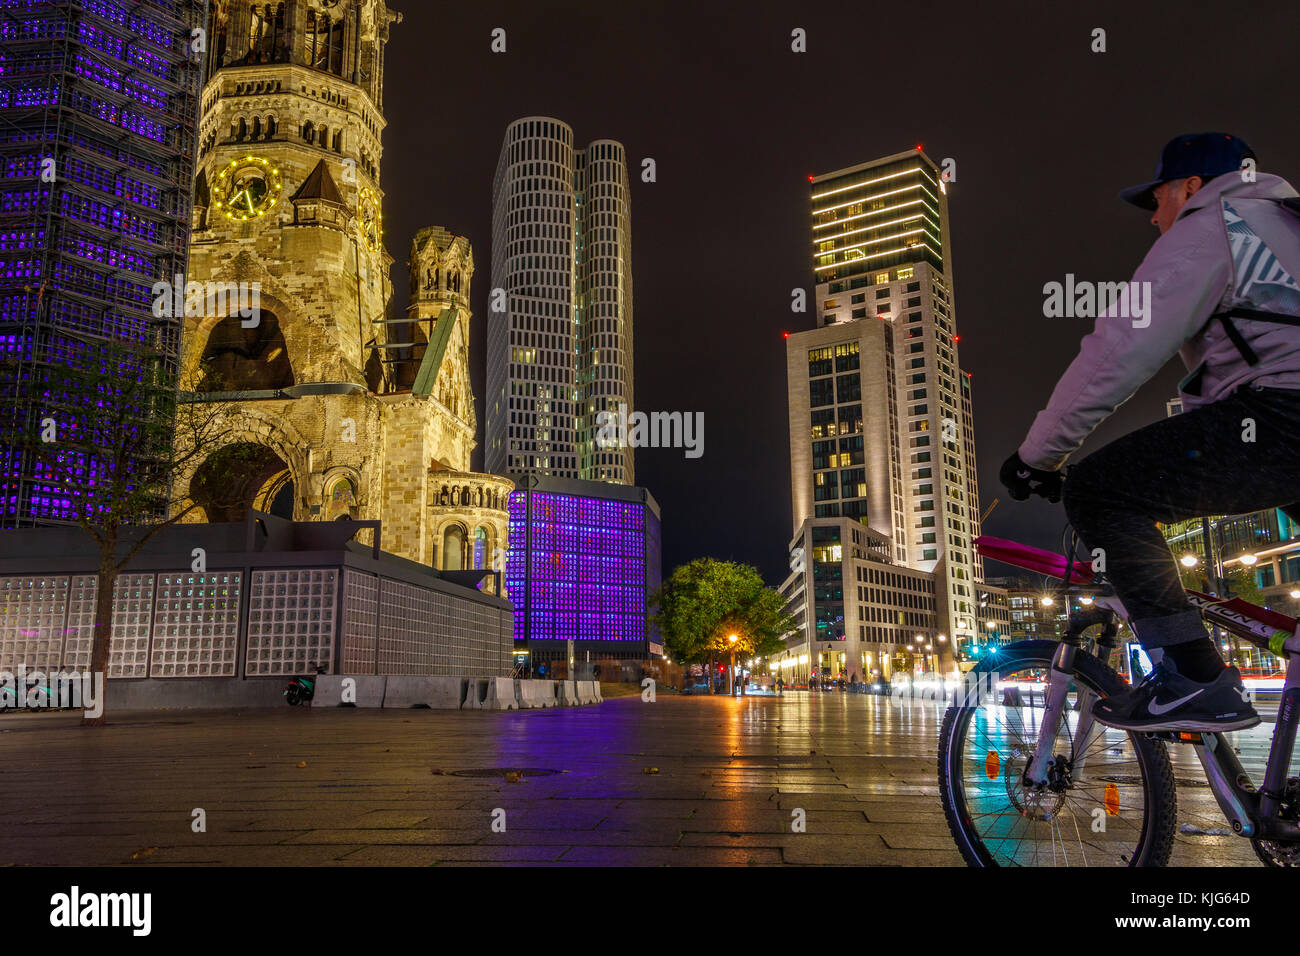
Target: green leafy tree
<point>114,436</point>
<point>703,603</point>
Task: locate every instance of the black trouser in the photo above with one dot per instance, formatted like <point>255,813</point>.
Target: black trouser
<point>1192,465</point>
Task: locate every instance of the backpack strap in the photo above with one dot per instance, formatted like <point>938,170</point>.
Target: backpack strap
<point>1255,315</point>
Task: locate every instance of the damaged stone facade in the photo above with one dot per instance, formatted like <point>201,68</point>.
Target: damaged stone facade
<point>338,403</point>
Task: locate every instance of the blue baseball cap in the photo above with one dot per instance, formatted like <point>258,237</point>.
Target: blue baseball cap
<point>1192,154</point>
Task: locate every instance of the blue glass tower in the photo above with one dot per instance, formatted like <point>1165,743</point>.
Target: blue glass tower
<point>98,112</point>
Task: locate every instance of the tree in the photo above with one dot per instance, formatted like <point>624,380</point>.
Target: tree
<point>115,434</point>
<point>706,601</point>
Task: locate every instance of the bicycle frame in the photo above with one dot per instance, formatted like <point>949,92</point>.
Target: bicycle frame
<point>1251,812</point>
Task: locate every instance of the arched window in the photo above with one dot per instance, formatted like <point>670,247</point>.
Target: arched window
<point>480,548</point>
<point>340,499</point>
<point>309,131</point>
<point>257,127</point>
<point>338,141</point>
<point>336,49</point>
<point>243,129</point>
<point>453,549</point>
<point>270,126</point>
<point>324,136</point>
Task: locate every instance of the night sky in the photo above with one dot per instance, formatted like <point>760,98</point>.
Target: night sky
<point>1044,132</point>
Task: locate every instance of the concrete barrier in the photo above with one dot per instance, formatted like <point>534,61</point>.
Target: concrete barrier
<point>405,690</point>
<point>537,693</point>
<point>448,692</point>
<point>476,689</point>
<point>566,693</point>
<point>502,694</point>
<point>368,690</point>
<point>589,692</point>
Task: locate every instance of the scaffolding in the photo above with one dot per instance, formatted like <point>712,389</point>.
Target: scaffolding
<point>99,104</point>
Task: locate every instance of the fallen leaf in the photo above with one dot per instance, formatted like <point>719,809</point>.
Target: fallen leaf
<point>142,853</point>
<point>650,770</point>
<point>440,773</point>
<point>301,764</point>
<point>514,776</point>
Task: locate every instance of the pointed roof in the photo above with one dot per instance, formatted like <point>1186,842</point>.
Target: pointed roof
<point>427,374</point>
<point>319,184</point>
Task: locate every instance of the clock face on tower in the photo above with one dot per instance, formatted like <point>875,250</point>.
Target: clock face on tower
<point>370,220</point>
<point>247,188</point>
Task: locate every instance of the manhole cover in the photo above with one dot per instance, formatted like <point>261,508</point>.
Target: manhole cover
<point>502,771</point>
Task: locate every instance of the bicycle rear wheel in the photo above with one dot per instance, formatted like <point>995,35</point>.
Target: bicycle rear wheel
<point>1109,800</point>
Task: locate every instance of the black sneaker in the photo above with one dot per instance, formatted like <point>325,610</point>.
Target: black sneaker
<point>1166,700</point>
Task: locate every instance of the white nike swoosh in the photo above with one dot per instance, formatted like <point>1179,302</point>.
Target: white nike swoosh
<point>1022,474</point>
<point>1158,709</point>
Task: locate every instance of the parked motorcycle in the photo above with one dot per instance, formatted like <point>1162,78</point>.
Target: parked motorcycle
<point>302,688</point>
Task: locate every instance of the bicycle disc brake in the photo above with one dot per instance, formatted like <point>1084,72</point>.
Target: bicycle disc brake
<point>1283,852</point>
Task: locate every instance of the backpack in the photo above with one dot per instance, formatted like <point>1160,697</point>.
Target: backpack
<point>1280,318</point>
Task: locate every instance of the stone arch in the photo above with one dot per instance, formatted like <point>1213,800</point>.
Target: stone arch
<point>453,547</point>
<point>342,495</point>
<point>261,463</point>
<point>239,359</point>
<point>198,331</point>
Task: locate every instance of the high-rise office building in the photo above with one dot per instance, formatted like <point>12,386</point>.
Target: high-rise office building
<point>560,311</point>
<point>881,424</point>
<point>99,106</point>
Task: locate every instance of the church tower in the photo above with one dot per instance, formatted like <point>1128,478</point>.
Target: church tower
<point>339,405</point>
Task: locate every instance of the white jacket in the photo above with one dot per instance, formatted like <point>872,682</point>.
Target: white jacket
<point>1232,245</point>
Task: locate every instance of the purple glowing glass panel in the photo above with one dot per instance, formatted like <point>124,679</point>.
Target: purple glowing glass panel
<point>585,564</point>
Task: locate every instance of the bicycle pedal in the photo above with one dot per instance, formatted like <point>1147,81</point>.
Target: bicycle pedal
<point>1177,736</point>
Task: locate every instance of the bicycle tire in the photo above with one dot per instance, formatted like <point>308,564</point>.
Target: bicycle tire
<point>1161,807</point>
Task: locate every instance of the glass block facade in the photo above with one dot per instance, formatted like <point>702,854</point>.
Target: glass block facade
<point>98,106</point>
<point>196,625</point>
<point>582,566</point>
<point>291,620</point>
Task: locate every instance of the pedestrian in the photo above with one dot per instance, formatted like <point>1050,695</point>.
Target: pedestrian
<point>1220,287</point>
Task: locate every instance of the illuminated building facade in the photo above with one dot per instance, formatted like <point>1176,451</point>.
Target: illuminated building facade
<point>560,339</point>
<point>881,421</point>
<point>584,558</point>
<point>99,102</point>
<point>338,402</point>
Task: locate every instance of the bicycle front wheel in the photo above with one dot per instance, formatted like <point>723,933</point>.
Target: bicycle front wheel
<point>1109,797</point>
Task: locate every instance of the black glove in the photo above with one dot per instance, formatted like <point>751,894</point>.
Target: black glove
<point>1020,479</point>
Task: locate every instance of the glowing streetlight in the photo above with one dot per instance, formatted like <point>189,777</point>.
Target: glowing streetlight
<point>1047,602</point>
<point>1248,559</point>
<point>731,673</point>
<point>1189,560</point>
<point>1295,594</point>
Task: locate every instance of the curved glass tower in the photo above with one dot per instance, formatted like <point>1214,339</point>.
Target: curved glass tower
<point>560,309</point>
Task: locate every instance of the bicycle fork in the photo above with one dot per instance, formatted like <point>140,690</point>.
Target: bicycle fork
<point>1058,690</point>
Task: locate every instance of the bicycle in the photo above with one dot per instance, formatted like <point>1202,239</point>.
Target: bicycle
<point>1047,785</point>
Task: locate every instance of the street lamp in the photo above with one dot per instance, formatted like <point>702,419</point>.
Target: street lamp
<point>732,672</point>
<point>1248,559</point>
<point>1189,560</point>
<point>1047,602</point>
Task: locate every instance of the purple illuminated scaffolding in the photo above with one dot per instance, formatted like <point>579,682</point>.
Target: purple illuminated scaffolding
<point>98,114</point>
<point>581,567</point>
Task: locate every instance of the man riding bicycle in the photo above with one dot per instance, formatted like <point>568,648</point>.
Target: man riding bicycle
<point>1221,289</point>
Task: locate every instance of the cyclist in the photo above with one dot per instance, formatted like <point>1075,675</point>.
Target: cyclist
<point>1223,292</point>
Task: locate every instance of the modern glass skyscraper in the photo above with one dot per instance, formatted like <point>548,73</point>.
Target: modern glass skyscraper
<point>560,309</point>
<point>98,103</point>
<point>881,424</point>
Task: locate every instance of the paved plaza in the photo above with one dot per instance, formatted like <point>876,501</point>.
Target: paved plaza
<point>682,781</point>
